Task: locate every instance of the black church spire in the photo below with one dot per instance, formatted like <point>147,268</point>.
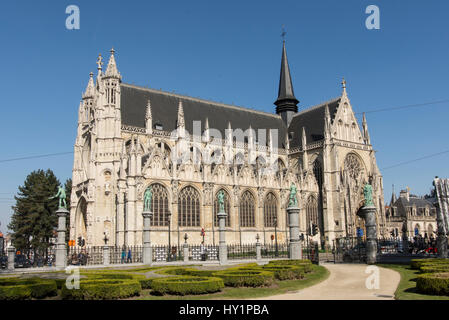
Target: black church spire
<point>286,103</point>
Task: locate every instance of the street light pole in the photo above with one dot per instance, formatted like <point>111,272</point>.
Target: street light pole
<point>276,236</point>
<point>169,237</point>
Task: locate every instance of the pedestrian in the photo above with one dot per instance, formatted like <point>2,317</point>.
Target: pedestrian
<point>129,260</point>
<point>123,254</point>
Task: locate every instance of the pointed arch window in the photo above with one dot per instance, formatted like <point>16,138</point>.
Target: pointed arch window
<point>247,210</point>
<point>318,173</point>
<point>311,211</point>
<point>159,205</point>
<point>226,208</point>
<point>189,207</point>
<point>270,214</point>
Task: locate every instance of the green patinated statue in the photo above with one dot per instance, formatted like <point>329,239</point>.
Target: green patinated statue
<point>61,194</point>
<point>221,196</point>
<point>368,194</point>
<point>147,199</point>
<point>293,202</point>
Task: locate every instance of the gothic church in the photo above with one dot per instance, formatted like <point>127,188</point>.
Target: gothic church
<point>125,143</point>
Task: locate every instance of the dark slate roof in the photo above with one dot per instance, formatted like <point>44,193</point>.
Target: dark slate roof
<point>401,204</point>
<point>312,120</point>
<point>413,201</point>
<point>164,107</point>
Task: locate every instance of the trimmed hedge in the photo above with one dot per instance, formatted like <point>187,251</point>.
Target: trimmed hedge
<point>145,282</point>
<point>181,271</point>
<point>18,289</point>
<point>106,289</point>
<point>306,265</point>
<point>187,285</point>
<point>245,278</point>
<point>433,283</point>
<point>285,272</point>
<point>291,262</point>
<point>418,263</point>
<point>434,268</point>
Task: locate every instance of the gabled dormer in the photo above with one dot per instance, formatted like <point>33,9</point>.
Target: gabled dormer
<point>345,126</point>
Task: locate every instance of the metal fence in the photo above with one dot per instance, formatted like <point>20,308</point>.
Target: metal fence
<point>349,250</point>
<point>85,255</point>
<point>410,246</point>
<point>203,252</point>
<point>166,253</point>
<point>274,251</point>
<point>125,254</point>
<point>244,251</point>
<point>310,251</point>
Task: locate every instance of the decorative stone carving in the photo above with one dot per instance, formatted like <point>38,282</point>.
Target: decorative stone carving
<point>260,194</point>
<point>236,190</point>
<point>208,189</point>
<point>175,189</point>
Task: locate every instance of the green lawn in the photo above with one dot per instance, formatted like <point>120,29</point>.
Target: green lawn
<point>407,286</point>
<point>317,275</point>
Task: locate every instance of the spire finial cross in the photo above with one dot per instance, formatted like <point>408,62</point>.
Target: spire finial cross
<point>343,83</point>
<point>99,61</point>
<point>283,33</point>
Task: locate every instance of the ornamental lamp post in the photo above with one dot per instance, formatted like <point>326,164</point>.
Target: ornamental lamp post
<point>186,248</point>
<point>258,248</point>
<point>276,236</point>
<point>169,236</point>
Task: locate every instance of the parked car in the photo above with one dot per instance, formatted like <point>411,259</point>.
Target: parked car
<point>21,261</point>
<point>4,262</point>
<point>388,246</point>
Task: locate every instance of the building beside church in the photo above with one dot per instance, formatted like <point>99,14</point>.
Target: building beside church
<point>417,213</point>
<point>188,149</point>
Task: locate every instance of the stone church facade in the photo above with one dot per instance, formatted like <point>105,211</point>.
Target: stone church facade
<point>188,149</point>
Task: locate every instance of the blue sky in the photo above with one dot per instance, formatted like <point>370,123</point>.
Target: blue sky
<point>227,51</point>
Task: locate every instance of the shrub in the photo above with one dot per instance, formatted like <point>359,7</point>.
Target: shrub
<point>418,263</point>
<point>18,289</point>
<point>187,285</point>
<point>145,282</point>
<point>306,265</point>
<point>245,278</point>
<point>105,289</point>
<point>285,272</point>
<point>433,283</point>
<point>291,262</point>
<point>434,268</point>
<point>181,271</point>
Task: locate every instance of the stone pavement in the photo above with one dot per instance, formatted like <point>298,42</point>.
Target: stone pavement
<point>347,282</point>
